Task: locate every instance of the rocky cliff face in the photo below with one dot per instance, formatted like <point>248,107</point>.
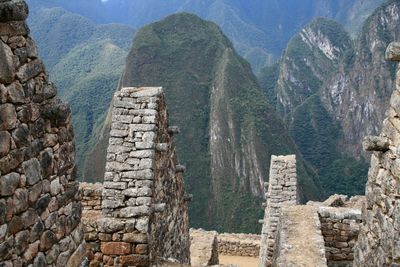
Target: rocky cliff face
<point>228,129</point>
<point>308,62</point>
<point>357,93</point>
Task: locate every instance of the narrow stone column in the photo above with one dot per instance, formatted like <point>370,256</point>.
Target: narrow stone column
<point>282,191</point>
<point>143,201</point>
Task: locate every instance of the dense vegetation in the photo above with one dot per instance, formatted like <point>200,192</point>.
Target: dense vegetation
<point>85,61</point>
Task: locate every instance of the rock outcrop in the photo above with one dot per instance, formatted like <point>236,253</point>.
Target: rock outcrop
<point>379,239</point>
<point>39,202</point>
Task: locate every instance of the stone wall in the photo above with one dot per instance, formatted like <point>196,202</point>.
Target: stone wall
<point>144,216</point>
<point>239,244</point>
<point>299,240</point>
<point>379,239</point>
<point>91,196</point>
<point>39,204</point>
<point>282,191</point>
<point>340,228</point>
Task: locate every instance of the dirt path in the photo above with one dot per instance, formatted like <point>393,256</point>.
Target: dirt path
<point>239,261</point>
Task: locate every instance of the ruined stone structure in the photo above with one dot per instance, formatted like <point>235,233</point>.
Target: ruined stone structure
<point>340,228</point>
<point>282,191</point>
<point>247,245</point>
<point>144,215</point>
<point>39,205</point>
<point>299,240</point>
<point>379,239</point>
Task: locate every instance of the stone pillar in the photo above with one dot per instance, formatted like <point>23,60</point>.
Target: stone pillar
<point>39,204</point>
<point>282,191</point>
<point>379,239</point>
<point>144,197</point>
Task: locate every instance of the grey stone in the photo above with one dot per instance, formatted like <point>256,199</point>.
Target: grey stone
<point>110,225</point>
<point>21,136</point>
<point>31,48</point>
<point>13,28</point>
<point>55,187</point>
<point>393,52</point>
<point>47,240</point>
<point>40,260</point>
<point>30,70</point>
<point>8,117</point>
<point>376,143</point>
<point>130,212</point>
<point>42,203</point>
<point>14,10</point>
<point>142,154</point>
<point>52,254</point>
<point>21,241</point>
<point>32,171</point>
<point>7,68</point>
<point>142,224</point>
<point>5,143</point>
<point>3,231</point>
<point>8,183</point>
<point>16,93</point>
<point>20,200</point>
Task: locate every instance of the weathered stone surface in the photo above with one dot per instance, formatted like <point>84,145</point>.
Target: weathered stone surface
<point>5,143</point>
<point>8,184</point>
<point>77,257</point>
<point>135,260</point>
<point>47,240</point>
<point>116,248</point>
<point>32,171</point>
<point>376,143</point>
<point>7,68</point>
<point>8,117</point>
<point>16,93</point>
<point>14,10</point>
<point>203,248</point>
<point>21,136</point>
<point>393,52</point>
<point>30,70</point>
<point>14,28</point>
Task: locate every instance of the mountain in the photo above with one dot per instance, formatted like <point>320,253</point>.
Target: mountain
<point>358,92</point>
<point>228,130</point>
<point>259,29</point>
<point>85,61</point>
<point>333,91</point>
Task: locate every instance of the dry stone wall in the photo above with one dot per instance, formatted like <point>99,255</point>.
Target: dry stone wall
<point>340,228</point>
<point>39,202</point>
<point>247,245</point>
<point>282,191</point>
<point>379,239</point>
<point>144,217</point>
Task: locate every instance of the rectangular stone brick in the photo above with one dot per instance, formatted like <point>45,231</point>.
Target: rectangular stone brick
<point>116,248</point>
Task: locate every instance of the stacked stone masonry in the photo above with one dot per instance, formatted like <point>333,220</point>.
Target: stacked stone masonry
<point>379,239</point>
<point>340,228</point>
<point>282,191</point>
<point>39,202</point>
<point>247,245</point>
<point>144,216</point>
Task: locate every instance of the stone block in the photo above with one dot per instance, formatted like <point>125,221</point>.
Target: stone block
<point>14,10</point>
<point>116,248</point>
<point>393,52</point>
<point>30,70</point>
<point>8,117</point>
<point>130,212</point>
<point>7,68</point>
<point>9,183</point>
